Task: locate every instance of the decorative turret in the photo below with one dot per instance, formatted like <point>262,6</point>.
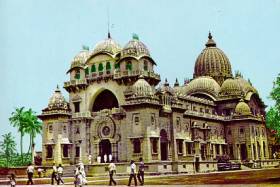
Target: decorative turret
<point>57,105</point>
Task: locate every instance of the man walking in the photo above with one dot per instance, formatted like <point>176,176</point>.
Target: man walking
<point>140,174</point>
<point>59,174</point>
<point>30,171</point>
<point>54,174</point>
<point>112,170</point>
<point>132,173</point>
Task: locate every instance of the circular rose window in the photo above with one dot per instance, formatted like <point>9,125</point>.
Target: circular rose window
<point>106,130</point>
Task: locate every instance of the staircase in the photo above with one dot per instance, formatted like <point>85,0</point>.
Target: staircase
<point>68,171</point>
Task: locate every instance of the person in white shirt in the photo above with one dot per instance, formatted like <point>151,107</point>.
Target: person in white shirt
<point>59,174</point>
<point>132,173</point>
<point>54,174</point>
<point>30,171</point>
<point>112,170</point>
<point>89,159</point>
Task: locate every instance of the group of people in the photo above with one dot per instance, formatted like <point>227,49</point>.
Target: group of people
<point>80,175</point>
<point>132,172</point>
<point>57,173</point>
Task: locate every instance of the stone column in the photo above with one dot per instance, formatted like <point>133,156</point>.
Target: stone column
<point>184,148</point>
<point>214,151</point>
<point>146,149</point>
<point>95,152</point>
<point>221,149</point>
<point>115,151</point>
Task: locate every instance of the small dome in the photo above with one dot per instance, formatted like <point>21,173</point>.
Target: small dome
<point>242,108</point>
<point>80,59</point>
<point>135,48</point>
<point>212,62</point>
<point>204,84</point>
<point>108,46</point>
<point>142,88</point>
<point>237,86</point>
<point>57,101</point>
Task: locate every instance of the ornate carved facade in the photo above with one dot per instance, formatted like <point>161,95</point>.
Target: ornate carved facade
<point>116,107</point>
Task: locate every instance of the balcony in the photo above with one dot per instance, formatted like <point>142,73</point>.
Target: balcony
<point>75,84</point>
<point>149,74</point>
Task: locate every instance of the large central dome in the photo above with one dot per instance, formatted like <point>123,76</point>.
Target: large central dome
<point>212,62</point>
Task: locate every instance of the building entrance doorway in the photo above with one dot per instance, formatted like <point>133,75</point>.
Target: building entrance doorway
<point>163,145</point>
<point>105,148</point>
<point>243,152</point>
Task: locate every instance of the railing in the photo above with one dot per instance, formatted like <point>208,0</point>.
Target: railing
<point>120,74</point>
<point>82,115</point>
<point>75,82</point>
<point>202,114</point>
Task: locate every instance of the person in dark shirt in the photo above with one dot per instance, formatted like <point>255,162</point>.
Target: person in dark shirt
<point>140,174</point>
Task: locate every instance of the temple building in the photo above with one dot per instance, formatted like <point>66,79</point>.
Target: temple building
<point>118,107</point>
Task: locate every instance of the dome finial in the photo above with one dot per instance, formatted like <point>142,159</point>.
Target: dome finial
<point>109,35</point>
<point>135,36</point>
<point>176,83</point>
<point>209,35</point>
<point>166,82</point>
<point>210,42</point>
<point>57,88</point>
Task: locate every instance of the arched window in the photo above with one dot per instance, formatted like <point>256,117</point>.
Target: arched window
<point>155,145</point>
<point>49,151</point>
<point>136,146</point>
<point>128,65</point>
<point>117,66</point>
<point>93,68</point>
<point>50,128</point>
<point>108,66</point>
<point>77,74</point>
<point>87,71</point>
<point>100,67</point>
<point>145,65</point>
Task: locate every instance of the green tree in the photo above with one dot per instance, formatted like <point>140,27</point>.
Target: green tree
<point>33,127</point>
<point>17,120</point>
<point>273,114</point>
<point>8,147</point>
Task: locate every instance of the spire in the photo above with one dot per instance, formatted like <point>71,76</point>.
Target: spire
<point>57,89</point>
<point>166,82</point>
<point>109,34</point>
<point>176,83</point>
<point>135,36</point>
<point>210,42</point>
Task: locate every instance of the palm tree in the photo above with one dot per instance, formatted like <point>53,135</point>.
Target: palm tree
<point>17,120</point>
<point>8,146</point>
<point>33,127</point>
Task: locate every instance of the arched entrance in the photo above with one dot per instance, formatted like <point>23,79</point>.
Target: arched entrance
<point>105,100</point>
<point>163,145</point>
<point>105,148</point>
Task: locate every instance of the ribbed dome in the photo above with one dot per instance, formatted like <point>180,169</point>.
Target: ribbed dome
<point>80,59</point>
<point>57,101</point>
<point>135,48</point>
<point>204,84</point>
<point>212,62</point>
<point>242,108</point>
<point>142,88</point>
<point>237,86</point>
<point>108,45</point>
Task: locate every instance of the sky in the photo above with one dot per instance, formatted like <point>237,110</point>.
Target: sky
<point>40,38</point>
